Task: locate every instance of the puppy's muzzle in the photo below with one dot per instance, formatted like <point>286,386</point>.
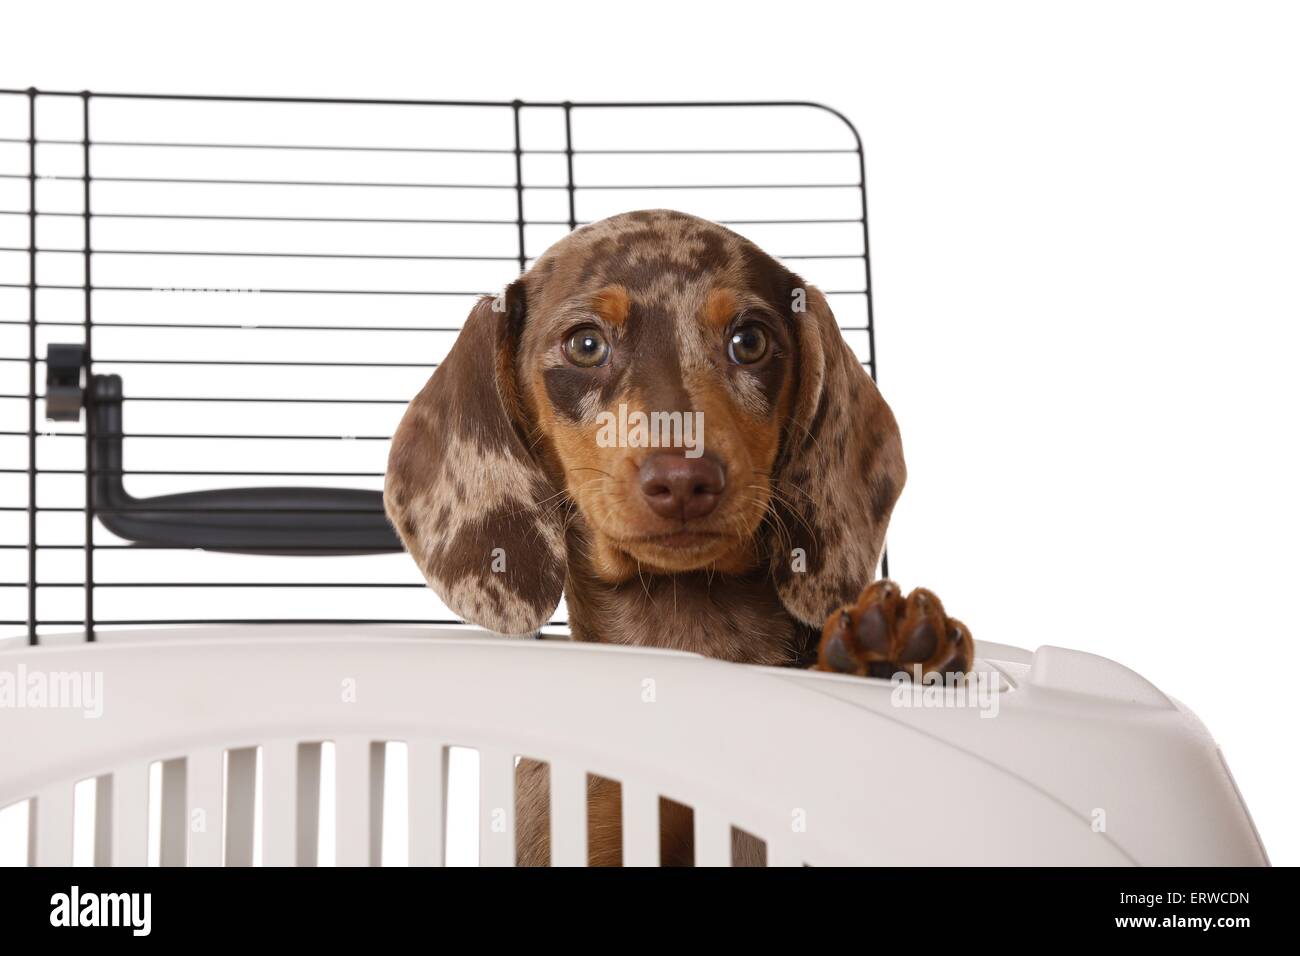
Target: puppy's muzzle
<point>682,488</point>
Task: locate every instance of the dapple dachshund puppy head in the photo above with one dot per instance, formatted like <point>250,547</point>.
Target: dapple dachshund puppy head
<point>503,464</point>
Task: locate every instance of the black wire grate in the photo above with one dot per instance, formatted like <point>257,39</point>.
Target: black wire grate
<point>225,303</point>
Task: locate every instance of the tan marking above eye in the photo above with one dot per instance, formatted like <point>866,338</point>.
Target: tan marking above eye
<point>720,307</point>
<point>612,304</point>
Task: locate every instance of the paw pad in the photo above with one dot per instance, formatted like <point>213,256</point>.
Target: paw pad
<point>883,632</point>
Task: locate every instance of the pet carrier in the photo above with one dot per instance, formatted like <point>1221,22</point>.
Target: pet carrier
<point>212,313</point>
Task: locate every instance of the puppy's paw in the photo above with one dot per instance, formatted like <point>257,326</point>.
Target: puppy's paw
<point>884,632</point>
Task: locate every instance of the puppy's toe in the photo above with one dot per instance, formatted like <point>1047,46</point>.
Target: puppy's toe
<point>963,646</point>
<point>839,651</point>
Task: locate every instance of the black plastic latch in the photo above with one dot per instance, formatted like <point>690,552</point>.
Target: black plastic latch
<point>64,396</point>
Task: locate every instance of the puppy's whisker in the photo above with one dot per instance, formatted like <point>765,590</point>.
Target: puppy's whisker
<point>778,497</point>
<point>644,587</point>
<point>772,518</point>
<point>780,488</point>
<point>773,522</point>
<point>587,468</point>
<point>559,495</point>
<point>811,436</point>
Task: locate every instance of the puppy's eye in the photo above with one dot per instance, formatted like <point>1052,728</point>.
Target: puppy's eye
<point>586,348</point>
<point>748,344</point>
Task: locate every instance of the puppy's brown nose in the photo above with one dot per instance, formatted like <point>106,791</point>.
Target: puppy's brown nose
<point>679,487</point>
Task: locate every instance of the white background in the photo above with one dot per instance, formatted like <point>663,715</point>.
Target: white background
<point>1085,228</point>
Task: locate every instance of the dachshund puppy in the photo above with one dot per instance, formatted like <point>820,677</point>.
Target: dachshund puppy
<point>744,523</point>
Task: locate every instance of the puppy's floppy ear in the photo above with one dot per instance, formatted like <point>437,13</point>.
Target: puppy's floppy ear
<point>838,475</point>
<point>463,490</point>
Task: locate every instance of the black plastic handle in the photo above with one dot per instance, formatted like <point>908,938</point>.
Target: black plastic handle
<point>306,521</point>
